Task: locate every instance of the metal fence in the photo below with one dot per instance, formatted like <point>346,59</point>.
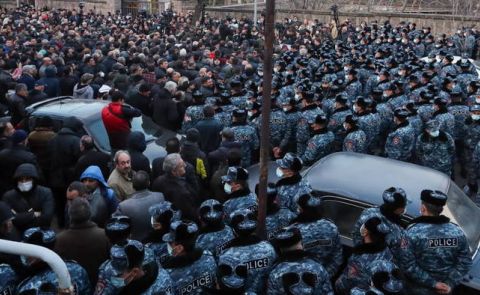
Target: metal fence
<point>137,7</point>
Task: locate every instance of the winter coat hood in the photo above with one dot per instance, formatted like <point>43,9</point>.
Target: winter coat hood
<point>26,170</point>
<point>137,142</point>
<point>94,172</point>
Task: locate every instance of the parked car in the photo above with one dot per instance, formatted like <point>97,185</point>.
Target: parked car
<point>88,111</point>
<point>348,183</point>
<point>456,58</point>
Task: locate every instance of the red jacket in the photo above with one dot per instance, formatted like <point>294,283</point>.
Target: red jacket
<point>114,119</point>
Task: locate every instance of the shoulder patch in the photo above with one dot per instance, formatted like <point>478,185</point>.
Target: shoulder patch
<point>396,140</point>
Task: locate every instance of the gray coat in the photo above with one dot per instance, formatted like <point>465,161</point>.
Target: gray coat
<point>136,207</point>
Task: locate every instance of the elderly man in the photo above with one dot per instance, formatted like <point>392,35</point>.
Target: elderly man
<point>120,179</point>
<point>175,188</point>
<point>139,202</point>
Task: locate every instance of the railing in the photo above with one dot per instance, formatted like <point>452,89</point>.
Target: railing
<point>136,7</point>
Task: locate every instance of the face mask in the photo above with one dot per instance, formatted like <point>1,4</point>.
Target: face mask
<point>297,97</point>
<point>153,221</point>
<point>434,133</point>
<point>355,109</point>
<point>279,172</point>
<point>227,188</point>
<point>250,113</point>
<point>345,127</point>
<point>404,211</point>
<point>118,282</point>
<point>25,186</point>
<point>169,249</point>
<point>362,230</point>
<point>346,78</point>
<point>477,100</point>
<point>24,260</point>
<point>475,117</point>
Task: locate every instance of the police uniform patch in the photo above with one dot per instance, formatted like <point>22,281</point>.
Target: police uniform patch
<point>257,263</point>
<point>349,144</point>
<point>396,140</point>
<point>204,280</point>
<point>317,243</point>
<point>7,291</point>
<point>442,242</point>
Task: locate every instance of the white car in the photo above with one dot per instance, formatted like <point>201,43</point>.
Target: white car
<point>456,58</point>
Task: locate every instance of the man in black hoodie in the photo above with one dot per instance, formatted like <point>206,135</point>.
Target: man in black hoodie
<point>31,203</point>
<point>136,146</point>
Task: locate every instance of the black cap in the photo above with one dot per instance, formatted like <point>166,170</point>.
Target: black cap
<point>5,212</point>
<point>350,119</point>
<point>401,113</point>
<point>287,237</point>
<point>238,113</point>
<point>235,174</point>
<point>436,198</point>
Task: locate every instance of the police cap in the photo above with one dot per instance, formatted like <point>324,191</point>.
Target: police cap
<point>436,198</point>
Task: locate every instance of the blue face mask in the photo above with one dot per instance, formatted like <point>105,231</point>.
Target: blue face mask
<point>118,282</point>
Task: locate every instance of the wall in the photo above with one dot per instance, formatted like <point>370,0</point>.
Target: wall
<point>96,5</point>
<point>438,23</point>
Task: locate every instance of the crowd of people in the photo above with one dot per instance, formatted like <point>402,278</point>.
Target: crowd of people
<point>185,223</point>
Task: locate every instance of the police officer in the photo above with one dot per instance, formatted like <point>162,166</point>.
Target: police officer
<point>441,114</point>
<point>308,112</point>
<point>278,124</point>
<point>291,184</point>
<point>335,123</point>
<point>257,255</point>
<point>132,270</point>
<point>40,273</point>
<point>231,277</point>
<point>356,139</point>
<point>224,108</point>
<point>277,217</point>
<point>239,196</point>
<point>373,248</point>
<point>366,121</point>
<point>437,254</point>
<point>194,113</point>
<point>424,106</point>
<point>320,236</point>
<point>435,148</point>
<point>386,279</point>
<point>296,271</point>
<point>8,280</point>
<point>321,142</point>
<point>190,268</point>
<point>161,216</point>
<point>288,143</point>
<point>401,141</point>
<point>246,135</point>
<point>472,137</point>
<point>214,234</point>
<point>447,67</point>
<point>390,212</point>
<point>353,87</point>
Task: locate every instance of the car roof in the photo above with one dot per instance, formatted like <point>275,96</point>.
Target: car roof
<point>365,177</point>
<point>83,109</point>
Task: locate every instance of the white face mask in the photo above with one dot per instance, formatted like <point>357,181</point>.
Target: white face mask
<point>297,96</point>
<point>404,211</point>
<point>25,186</point>
<point>153,221</point>
<point>434,133</point>
<point>285,109</point>
<point>475,117</point>
<point>250,113</point>
<point>118,282</point>
<point>279,172</point>
<point>362,230</point>
<point>345,127</point>
<point>477,100</point>
<point>227,188</point>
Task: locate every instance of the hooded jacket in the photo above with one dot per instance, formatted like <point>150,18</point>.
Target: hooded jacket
<point>107,193</point>
<point>136,146</point>
<point>52,88</point>
<point>26,204</point>
<point>83,91</point>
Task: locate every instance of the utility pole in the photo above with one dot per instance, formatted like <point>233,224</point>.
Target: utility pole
<point>269,34</point>
<point>255,9</point>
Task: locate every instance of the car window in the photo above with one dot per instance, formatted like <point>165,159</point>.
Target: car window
<point>147,127</point>
<point>99,133</point>
<point>343,212</point>
<point>463,211</point>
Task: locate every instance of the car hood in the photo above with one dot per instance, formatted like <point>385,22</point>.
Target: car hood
<point>472,279</point>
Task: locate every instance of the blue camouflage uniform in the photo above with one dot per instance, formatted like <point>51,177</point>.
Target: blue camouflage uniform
<point>224,114</point>
<point>416,123</point>
<point>448,69</point>
<point>471,139</point>
<point>107,274</point>
<point>321,239</point>
<point>8,280</point>
<point>357,273</point>
<point>436,153</point>
<point>278,126</point>
<point>398,101</point>
<point>248,138</point>
<point>400,142</point>
<point>370,125</point>
<point>259,257</point>
<point>288,144</point>
<point>78,275</point>
<point>476,166</point>
<point>320,145</point>
<point>446,120</point>
<point>309,113</point>
<point>193,272</point>
<point>243,199</point>
<point>425,111</point>
<point>355,141</point>
<point>437,251</point>
<point>386,114</point>
<point>335,124</point>
<point>277,219</point>
<point>193,115</point>
<point>353,88</point>
<point>215,241</point>
<point>289,189</point>
<point>301,264</point>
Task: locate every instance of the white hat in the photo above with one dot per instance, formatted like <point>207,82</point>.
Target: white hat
<point>104,89</point>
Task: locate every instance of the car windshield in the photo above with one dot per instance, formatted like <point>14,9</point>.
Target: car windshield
<point>465,213</point>
<point>142,124</point>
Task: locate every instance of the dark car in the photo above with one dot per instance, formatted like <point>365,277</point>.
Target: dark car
<point>88,111</point>
<point>348,183</point>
